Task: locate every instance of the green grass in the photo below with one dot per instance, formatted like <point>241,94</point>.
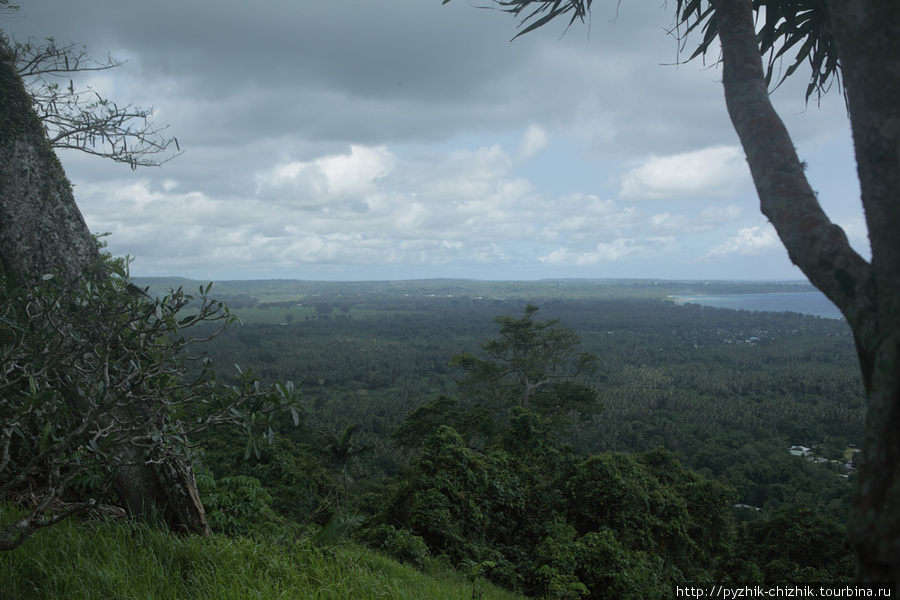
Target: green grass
<point>103,558</point>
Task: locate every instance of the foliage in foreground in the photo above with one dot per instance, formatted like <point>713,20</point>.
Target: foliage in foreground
<point>93,384</point>
<point>625,525</point>
<point>103,558</point>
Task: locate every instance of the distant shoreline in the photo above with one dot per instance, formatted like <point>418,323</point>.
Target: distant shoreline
<point>811,303</point>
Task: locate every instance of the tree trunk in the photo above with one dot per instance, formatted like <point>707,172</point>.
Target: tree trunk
<point>43,232</point>
<point>867,33</point>
<point>164,487</point>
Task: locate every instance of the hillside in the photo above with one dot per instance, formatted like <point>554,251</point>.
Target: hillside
<point>101,558</point>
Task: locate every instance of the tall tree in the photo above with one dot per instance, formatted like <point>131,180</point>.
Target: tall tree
<point>43,233</point>
<point>524,380</point>
<point>860,41</point>
<point>340,451</point>
<point>532,364</point>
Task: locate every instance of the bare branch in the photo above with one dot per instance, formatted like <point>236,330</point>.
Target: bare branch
<point>34,59</point>
<point>18,532</point>
<point>80,118</point>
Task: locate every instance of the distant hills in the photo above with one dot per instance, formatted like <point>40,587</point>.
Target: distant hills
<point>269,290</point>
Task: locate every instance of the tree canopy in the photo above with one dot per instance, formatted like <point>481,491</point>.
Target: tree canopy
<point>857,43</point>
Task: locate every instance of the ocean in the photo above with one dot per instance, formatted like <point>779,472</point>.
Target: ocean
<point>810,303</point>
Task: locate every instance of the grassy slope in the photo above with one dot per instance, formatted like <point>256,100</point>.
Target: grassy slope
<point>102,559</point>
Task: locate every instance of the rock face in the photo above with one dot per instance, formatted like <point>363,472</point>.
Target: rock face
<point>43,232</point>
<point>41,229</point>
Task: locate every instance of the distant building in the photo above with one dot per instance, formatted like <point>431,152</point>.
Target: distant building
<point>800,451</point>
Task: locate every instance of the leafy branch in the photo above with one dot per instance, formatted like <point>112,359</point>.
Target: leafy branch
<point>93,379</point>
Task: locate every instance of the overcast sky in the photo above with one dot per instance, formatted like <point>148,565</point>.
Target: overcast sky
<point>400,139</point>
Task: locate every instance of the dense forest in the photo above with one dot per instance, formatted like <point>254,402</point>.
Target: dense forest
<point>564,439</point>
<point>719,447</point>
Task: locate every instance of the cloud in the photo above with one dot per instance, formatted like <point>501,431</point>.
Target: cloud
<point>534,140</point>
<point>315,139</point>
<point>373,206</point>
<point>364,206</point>
<point>716,172</point>
<point>710,218</point>
<point>330,177</point>
<point>748,241</point>
<point>609,252</point>
<point>718,213</point>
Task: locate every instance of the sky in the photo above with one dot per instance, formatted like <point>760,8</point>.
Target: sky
<point>406,139</point>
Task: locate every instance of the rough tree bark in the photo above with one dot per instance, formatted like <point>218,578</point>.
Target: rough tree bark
<point>43,232</point>
<point>867,35</point>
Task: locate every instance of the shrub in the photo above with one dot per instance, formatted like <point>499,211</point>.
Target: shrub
<point>399,544</point>
<point>92,379</point>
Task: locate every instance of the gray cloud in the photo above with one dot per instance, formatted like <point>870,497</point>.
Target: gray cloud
<point>333,138</point>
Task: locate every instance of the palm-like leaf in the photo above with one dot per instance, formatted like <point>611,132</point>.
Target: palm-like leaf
<point>783,25</point>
